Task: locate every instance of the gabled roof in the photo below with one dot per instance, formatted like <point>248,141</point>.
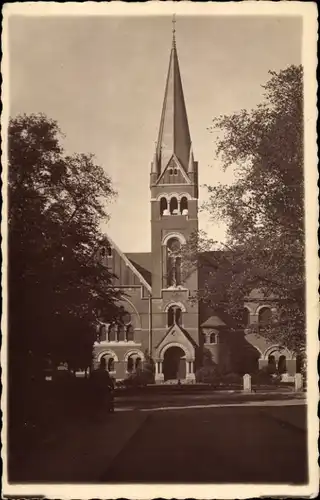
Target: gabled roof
<point>142,262</point>
<point>174,162</point>
<point>177,334</point>
<point>127,261</point>
<point>213,322</point>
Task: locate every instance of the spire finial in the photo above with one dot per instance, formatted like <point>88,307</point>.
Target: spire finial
<point>174,30</point>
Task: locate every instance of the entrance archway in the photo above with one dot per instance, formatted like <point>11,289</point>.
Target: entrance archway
<point>174,364</point>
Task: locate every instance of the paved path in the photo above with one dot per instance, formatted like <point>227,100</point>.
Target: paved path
<point>216,445</point>
<point>177,399</point>
<point>243,441</point>
<point>79,453</point>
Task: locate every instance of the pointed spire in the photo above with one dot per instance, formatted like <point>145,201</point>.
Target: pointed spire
<point>174,135</point>
<point>154,165</point>
<point>191,160</point>
<point>174,31</point>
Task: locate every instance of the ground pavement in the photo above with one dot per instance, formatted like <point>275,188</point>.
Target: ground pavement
<point>178,398</point>
<point>244,440</point>
<point>235,444</point>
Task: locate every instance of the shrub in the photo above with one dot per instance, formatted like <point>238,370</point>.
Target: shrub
<point>139,378</point>
<point>120,384</point>
<point>266,376</point>
<point>231,378</point>
<point>207,375</point>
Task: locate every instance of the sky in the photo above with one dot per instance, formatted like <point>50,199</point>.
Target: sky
<point>103,78</point>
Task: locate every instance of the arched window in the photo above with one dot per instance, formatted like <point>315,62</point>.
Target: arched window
<point>121,332</point>
<point>170,171</point>
<point>171,316</point>
<point>206,337</point>
<point>174,245</point>
<point>109,361</point>
<point>175,171</point>
<point>184,206</point>
<point>178,316</point>
<point>112,333</point>
<point>163,205</point>
<point>109,251</point>
<point>130,333</point>
<point>103,333</point>
<point>282,365</point>
<point>174,316</point>
<point>134,362</point>
<point>174,262</point>
<point>130,364</point>
<point>126,318</point>
<point>272,364</point>
<point>103,251</point>
<point>174,271</point>
<point>110,365</point>
<point>264,316</point>
<point>178,270</point>
<point>138,363</point>
<point>173,206</point>
<point>213,338</point>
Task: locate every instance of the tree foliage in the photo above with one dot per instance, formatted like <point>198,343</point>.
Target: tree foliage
<point>56,204</point>
<point>263,208</point>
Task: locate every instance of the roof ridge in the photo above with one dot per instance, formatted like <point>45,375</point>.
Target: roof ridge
<point>129,264</point>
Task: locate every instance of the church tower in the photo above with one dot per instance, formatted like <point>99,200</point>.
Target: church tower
<point>174,217</point>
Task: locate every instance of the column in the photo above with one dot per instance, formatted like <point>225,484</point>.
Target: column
<point>190,376</point>
<point>187,368</point>
<point>159,378</point>
<point>253,318</point>
<point>116,333</point>
<point>164,265</point>
<point>107,332</point>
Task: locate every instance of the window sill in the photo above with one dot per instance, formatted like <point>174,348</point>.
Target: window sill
<point>176,288</point>
<point>173,215</point>
<point>117,342</point>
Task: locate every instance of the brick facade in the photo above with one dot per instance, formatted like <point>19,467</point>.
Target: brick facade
<point>161,319</point>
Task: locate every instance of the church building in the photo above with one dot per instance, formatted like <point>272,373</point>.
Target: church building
<point>161,318</point>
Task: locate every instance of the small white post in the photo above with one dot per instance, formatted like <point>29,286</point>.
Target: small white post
<point>298,382</point>
<point>247,382</point>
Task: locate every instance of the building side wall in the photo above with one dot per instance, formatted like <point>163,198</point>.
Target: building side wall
<point>137,304</point>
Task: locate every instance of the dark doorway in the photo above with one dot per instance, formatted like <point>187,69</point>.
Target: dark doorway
<point>174,364</point>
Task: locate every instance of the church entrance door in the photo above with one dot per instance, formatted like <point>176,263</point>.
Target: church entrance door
<point>174,364</point>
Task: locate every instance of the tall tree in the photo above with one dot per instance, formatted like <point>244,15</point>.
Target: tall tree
<point>56,286</point>
<point>263,207</point>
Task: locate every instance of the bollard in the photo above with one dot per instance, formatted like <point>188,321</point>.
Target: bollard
<point>298,382</point>
<point>247,382</point>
